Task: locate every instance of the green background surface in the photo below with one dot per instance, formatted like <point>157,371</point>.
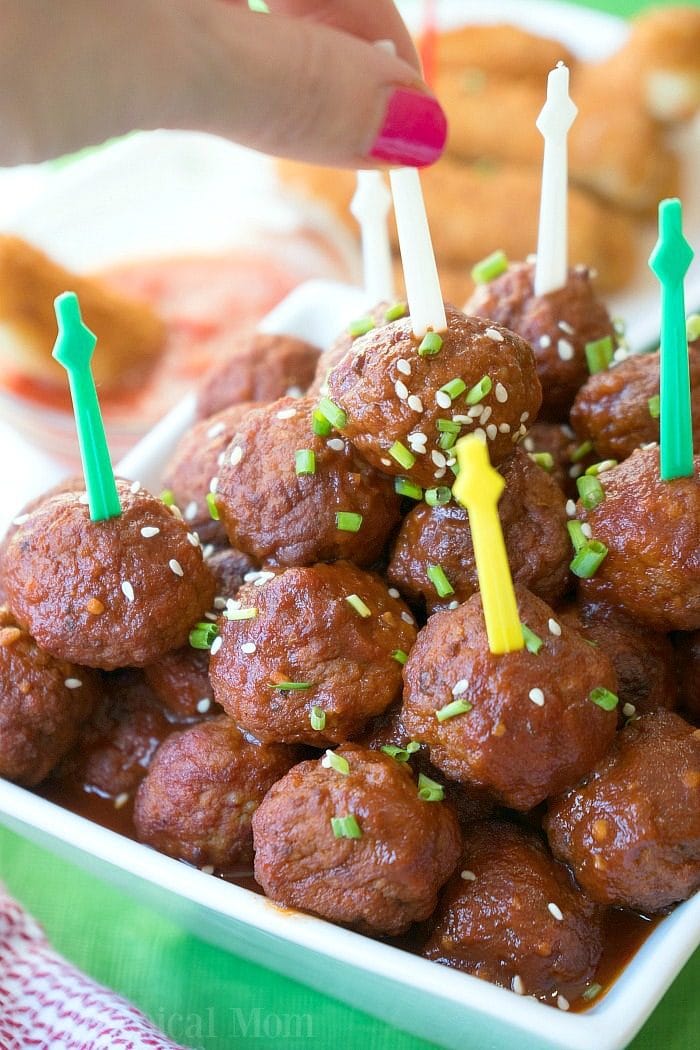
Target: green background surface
<point>203,997</point>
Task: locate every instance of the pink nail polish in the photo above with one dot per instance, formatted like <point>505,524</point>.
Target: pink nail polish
<point>413,132</point>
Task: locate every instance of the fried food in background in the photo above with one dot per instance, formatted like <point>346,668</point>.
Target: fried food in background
<point>131,335</point>
<point>506,50</point>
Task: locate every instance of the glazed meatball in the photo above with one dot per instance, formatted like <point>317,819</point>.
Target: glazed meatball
<point>203,786</point>
<point>533,516</point>
<point>513,916</point>
<point>394,401</point>
<point>687,647</point>
<point>569,456</point>
<point>278,515</point>
<point>317,659</point>
<point>557,325</point>
<point>631,831</point>
<point>529,724</point>
<point>651,529</point>
<point>612,408</point>
<point>262,367</point>
<point>230,568</point>
<point>43,702</point>
<point>323,836</point>
<point>180,681</point>
<point>106,594</point>
<point>193,467</point>
<point>377,317</point>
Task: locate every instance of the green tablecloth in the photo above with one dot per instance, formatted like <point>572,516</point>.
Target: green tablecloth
<point>203,997</point>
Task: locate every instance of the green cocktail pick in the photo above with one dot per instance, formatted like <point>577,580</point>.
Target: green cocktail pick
<point>73,349</point>
<point>669,261</point>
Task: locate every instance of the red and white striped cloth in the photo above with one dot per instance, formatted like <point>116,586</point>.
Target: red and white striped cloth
<point>45,1003</point>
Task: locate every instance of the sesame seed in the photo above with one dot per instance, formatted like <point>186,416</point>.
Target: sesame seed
<point>485,415</point>
<point>220,602</point>
<point>562,1002</point>
<point>587,530</point>
<point>522,430</point>
<point>236,456</point>
<point>480,433</point>
<point>220,459</point>
<point>175,511</point>
<point>72,683</point>
<point>524,417</point>
<point>127,590</point>
<point>565,349</point>
<point>208,550</point>
<point>407,618</point>
<point>438,459</point>
<point>556,911</point>
<point>203,705</point>
<point>517,985</point>
<point>216,645</point>
<point>148,531</point>
<point>286,413</point>
<point>403,366</point>
<point>443,399</point>
<point>529,444</point>
<point>207,869</point>
<point>504,428</point>
<point>213,484</point>
<point>263,578</point>
<point>336,444</point>
<point>537,696</point>
<point>460,687</point>
<point>494,334</point>
<point>418,437</point>
<point>621,354</point>
<point>134,487</point>
<point>233,603</point>
<point>576,471</point>
<point>571,508</point>
<point>401,389</point>
<point>20,520</point>
<point>439,473</point>
<point>647,447</point>
<point>501,393</point>
<point>294,391</point>
<point>385,462</point>
<point>467,875</point>
<point>461,419</point>
<point>491,431</point>
<point>216,429</point>
<point>211,616</point>
<point>415,403</point>
<point>453,605</point>
<point>393,593</point>
<point>451,460</point>
<point>83,498</point>
<point>566,327</point>
<point>121,800</point>
<point>544,341</point>
<point>475,411</point>
<point>193,539</point>
<point>554,627</point>
<point>174,566</point>
<point>248,648</point>
<point>628,710</point>
<point>190,512</point>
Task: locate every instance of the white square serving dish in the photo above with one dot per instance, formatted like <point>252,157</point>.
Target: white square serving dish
<point>443,1006</point>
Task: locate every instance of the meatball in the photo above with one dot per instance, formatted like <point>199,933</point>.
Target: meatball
<point>631,831</point>
<point>180,681</point>
<point>324,833</point>
<point>612,408</point>
<point>335,507</point>
<point>380,315</point>
<point>533,515</point>
<point>316,660</point>
<point>262,367</point>
<point>43,702</point>
<point>526,724</point>
<point>569,457</point>
<point>193,466</point>
<point>106,594</point>
<point>558,325</point>
<point>230,568</point>
<point>651,529</point>
<point>394,402</point>
<point>199,795</point>
<point>513,916</point>
<point>687,648</point>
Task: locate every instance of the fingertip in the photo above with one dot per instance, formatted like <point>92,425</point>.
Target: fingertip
<point>413,131</point>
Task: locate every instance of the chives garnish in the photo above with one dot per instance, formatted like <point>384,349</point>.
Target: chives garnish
<point>592,992</point>
<point>486,269</point>
<point>576,534</point>
<point>167,497</point>
<point>332,412</point>
<point>290,687</point>
<point>211,504</point>
<point>590,491</point>
<point>396,311</point>
<point>240,614</point>
<point>429,790</point>
<point>203,634</point>
<point>401,754</point>
<point>333,761</point>
<point>402,455</point>
<point>533,642</point>
<point>692,327</point>
<point>430,344</point>
<point>346,827</point>
<point>317,718</point>
<point>597,468</point>
<point>319,424</point>
<point>455,387</point>
<point>404,487</point>
<point>448,425</point>
<point>479,390</point>
<point>543,459</point>
<point>603,698</point>
<point>581,451</point>
<point>438,497</point>
<point>400,656</point>
<point>588,558</point>
<point>358,605</point>
<point>599,354</point>
<point>654,405</point>
<point>348,521</point>
<point>447,440</point>
<point>361,326</point>
<point>436,575</point>
<point>456,707</point>
<point>305,461</point>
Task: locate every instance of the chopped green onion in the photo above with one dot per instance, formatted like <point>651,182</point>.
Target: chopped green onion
<point>599,354</point>
<point>203,634</point>
<point>654,405</point>
<point>446,441</point>
<point>492,266</point>
<point>479,390</point>
<point>430,344</point>
<point>455,387</point>
<point>361,326</point>
<point>404,487</point>
<point>604,698</point>
<point>400,656</point>
<point>331,760</point>
<point>692,327</point>
<point>346,827</point>
<point>402,456</point>
<point>543,459</point>
<point>590,490</point>
<point>448,426</point>
<point>211,504</point>
<point>317,718</point>
<point>348,521</point>
<point>167,497</point>
<point>305,461</point>
<point>533,642</point>
<point>581,451</point>
<point>319,424</point>
<point>576,534</point>
<point>240,614</point>
<point>438,497</point>
<point>587,560</point>
<point>436,575</point>
<point>429,790</point>
<point>456,707</point>
<point>290,687</point>
<point>396,311</point>
<point>597,468</point>
<point>332,412</point>
<point>591,992</point>
<point>358,605</point>
<point>401,754</point>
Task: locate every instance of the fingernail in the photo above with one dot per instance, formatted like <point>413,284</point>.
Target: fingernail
<point>414,130</point>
